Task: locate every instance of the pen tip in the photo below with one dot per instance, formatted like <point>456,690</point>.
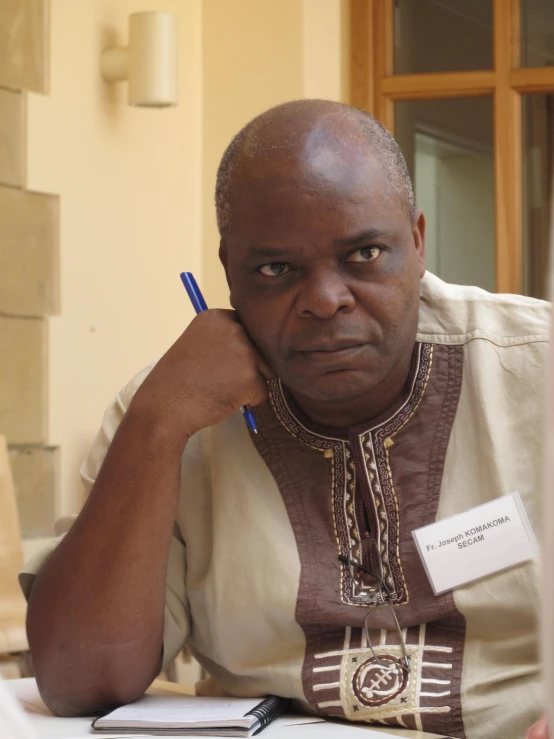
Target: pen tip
<point>255,431</point>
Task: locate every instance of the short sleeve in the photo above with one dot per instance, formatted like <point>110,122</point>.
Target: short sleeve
<point>176,619</point>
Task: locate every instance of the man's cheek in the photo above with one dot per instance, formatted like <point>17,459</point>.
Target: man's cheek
<point>262,339</point>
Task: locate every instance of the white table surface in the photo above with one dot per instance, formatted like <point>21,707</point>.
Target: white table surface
<point>52,727</point>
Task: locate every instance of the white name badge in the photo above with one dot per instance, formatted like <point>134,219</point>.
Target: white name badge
<point>472,545</point>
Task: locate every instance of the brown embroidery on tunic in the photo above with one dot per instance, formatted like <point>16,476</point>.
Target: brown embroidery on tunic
<point>349,682</point>
<point>381,500</point>
<point>389,472</point>
<point>375,444</point>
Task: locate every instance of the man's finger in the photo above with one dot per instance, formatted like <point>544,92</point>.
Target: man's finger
<point>538,730</point>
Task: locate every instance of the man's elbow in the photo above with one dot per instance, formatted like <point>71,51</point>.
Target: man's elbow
<point>85,687</point>
<point>74,679</point>
<point>67,700</point>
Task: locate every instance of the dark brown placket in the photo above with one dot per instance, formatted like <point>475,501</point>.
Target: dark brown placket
<point>387,473</point>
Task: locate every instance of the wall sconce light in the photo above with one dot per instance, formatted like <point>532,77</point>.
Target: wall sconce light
<point>149,63</point>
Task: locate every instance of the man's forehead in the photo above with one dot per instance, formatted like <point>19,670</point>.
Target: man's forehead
<point>318,147</point>
<point>326,194</point>
<point>347,163</point>
<point>321,167</point>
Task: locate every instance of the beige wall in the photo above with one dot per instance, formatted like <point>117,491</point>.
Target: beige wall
<point>28,271</point>
<point>256,54</point>
<point>326,49</point>
<point>136,185</point>
<point>128,181</point>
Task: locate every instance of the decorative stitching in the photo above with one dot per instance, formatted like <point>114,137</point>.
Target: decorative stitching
<point>379,477</point>
<point>374,444</point>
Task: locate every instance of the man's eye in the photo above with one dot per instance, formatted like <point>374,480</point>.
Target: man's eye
<point>275,269</point>
<point>365,254</point>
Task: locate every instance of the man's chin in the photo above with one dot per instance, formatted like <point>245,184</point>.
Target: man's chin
<point>341,385</point>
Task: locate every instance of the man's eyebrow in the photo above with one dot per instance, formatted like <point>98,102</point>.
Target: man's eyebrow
<point>273,252</point>
<point>369,235</point>
<point>267,252</point>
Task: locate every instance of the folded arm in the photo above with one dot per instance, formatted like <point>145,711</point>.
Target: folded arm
<point>96,610</point>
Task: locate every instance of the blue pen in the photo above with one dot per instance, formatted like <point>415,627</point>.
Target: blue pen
<point>199,305</point>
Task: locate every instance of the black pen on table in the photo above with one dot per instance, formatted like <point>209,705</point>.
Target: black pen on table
<point>199,305</point>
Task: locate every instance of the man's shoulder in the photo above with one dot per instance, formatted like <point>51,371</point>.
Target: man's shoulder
<point>457,314</point>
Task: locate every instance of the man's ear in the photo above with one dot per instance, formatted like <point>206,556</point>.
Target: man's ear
<point>418,229</point>
<point>223,260</point>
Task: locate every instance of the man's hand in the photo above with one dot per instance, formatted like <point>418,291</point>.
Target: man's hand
<point>538,730</point>
<point>210,371</point>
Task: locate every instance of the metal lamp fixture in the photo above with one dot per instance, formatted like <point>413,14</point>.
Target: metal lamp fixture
<point>149,63</point>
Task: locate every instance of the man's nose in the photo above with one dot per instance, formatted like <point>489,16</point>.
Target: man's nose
<point>322,295</point>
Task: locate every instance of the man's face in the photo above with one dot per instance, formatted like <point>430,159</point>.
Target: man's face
<point>323,263</point>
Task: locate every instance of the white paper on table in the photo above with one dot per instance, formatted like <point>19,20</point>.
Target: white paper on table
<point>13,722</point>
<point>27,694</point>
<point>161,712</point>
<point>295,719</point>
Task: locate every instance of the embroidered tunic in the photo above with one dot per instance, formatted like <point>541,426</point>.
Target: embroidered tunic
<point>254,583</point>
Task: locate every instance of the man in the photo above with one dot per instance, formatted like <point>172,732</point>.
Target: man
<point>385,400</point>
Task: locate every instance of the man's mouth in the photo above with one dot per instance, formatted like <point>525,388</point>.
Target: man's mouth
<point>332,352</point>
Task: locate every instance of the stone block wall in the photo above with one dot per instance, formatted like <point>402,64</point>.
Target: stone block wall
<point>29,271</point>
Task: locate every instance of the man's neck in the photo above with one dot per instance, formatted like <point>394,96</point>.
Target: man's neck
<point>360,409</point>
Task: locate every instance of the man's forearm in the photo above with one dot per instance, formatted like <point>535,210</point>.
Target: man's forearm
<point>95,619</point>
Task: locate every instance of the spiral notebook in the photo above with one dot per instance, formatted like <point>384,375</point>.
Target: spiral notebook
<point>186,714</point>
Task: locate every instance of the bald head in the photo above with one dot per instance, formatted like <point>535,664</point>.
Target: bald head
<point>319,135</point>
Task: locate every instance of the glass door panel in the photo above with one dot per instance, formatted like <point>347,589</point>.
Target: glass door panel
<point>442,36</point>
<point>537,33</point>
<point>448,145</point>
<point>538,158</point>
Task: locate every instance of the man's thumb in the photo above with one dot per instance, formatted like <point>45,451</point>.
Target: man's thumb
<point>538,730</point>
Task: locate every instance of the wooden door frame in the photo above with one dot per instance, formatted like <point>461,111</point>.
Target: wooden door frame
<point>374,87</point>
